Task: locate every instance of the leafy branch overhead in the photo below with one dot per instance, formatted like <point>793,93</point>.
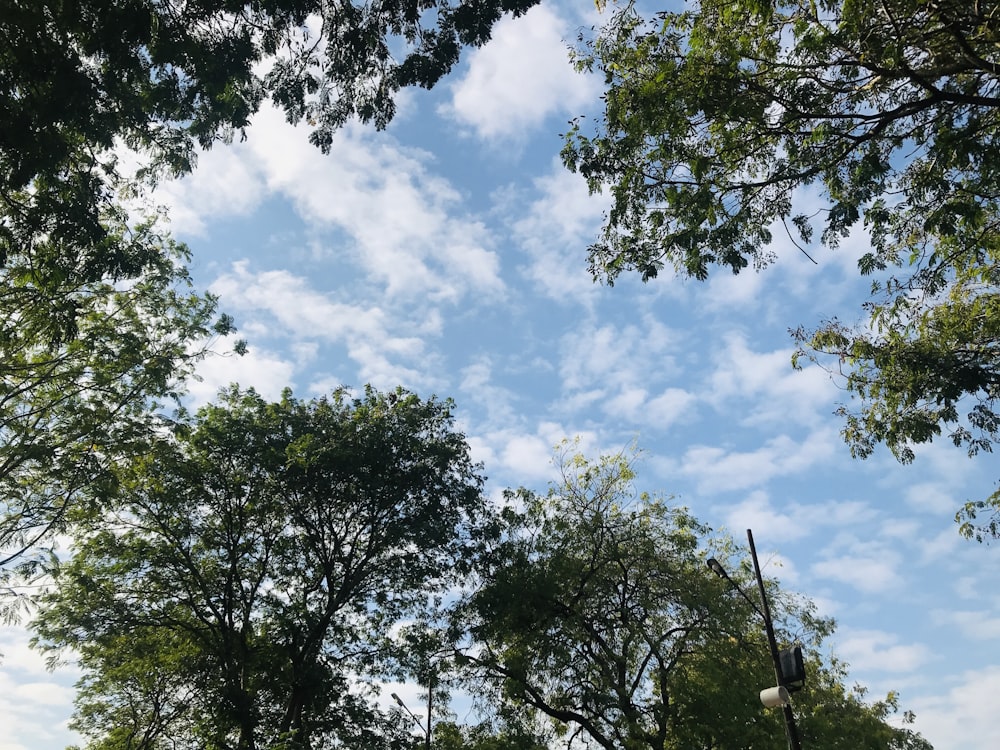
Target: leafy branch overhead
<point>96,325</point>
<point>721,119</point>
<point>162,77</point>
<point>84,367</point>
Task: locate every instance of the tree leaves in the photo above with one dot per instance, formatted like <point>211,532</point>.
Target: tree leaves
<point>602,616</point>
<point>264,552</point>
<point>715,117</point>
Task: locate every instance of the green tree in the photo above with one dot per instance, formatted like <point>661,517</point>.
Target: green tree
<point>164,76</point>
<point>84,367</point>
<point>244,585</point>
<point>718,118</point>
<point>603,616</point>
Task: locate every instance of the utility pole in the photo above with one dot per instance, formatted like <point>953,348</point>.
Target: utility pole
<point>791,730</point>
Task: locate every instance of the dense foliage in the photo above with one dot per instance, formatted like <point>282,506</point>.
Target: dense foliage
<point>603,616</point>
<point>164,76</point>
<point>83,365</point>
<point>94,324</point>
<point>730,120</point>
<point>245,584</point>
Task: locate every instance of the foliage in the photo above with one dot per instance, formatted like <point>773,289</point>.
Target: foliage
<point>450,736</point>
<point>603,616</point>
<point>83,367</point>
<point>731,119</point>
<point>242,588</point>
<point>162,76</point>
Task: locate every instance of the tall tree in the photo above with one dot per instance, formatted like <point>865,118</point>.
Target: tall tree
<point>718,116</point>
<point>603,616</point>
<point>245,581</point>
<point>84,366</point>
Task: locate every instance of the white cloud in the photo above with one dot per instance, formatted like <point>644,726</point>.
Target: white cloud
<point>554,232</point>
<point>963,715</point>
<point>527,456</point>
<point>625,372</point>
<point>868,566</point>
<point>404,222</point>
<point>978,625</point>
<point>872,651</point>
<point>265,371</point>
<point>794,520</point>
<point>35,704</point>
<point>930,497</point>
<point>478,385</point>
<point>224,184</point>
<point>282,306</point>
<point>520,77</point>
<point>716,469</point>
<point>767,387</point>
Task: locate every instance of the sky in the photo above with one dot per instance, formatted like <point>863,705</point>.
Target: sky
<point>447,254</point>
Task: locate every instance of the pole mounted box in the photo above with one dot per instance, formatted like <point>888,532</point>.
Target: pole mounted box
<point>793,670</point>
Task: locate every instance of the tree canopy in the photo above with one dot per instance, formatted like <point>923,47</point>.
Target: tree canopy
<point>94,327</point>
<point>726,121</point>
<point>160,77</point>
<point>84,367</point>
<point>245,584</point>
<point>603,616</point>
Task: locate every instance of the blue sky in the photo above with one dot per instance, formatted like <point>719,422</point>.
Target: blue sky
<point>448,254</point>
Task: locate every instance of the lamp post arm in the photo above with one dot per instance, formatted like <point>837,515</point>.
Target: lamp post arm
<point>416,719</point>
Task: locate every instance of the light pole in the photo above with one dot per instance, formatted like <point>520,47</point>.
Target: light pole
<point>791,731</point>
<point>426,730</point>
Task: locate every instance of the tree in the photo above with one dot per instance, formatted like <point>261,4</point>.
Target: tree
<point>603,616</point>
<point>78,79</point>
<point>718,118</point>
<point>84,368</point>
<point>264,553</point>
<point>91,332</point>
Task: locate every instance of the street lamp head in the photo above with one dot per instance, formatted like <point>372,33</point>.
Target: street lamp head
<point>398,699</point>
<point>716,567</point>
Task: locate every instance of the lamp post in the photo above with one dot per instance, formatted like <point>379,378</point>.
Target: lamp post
<point>426,730</point>
<point>791,731</point>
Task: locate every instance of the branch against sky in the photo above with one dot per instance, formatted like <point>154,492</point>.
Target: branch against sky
<point>161,78</point>
<point>718,117</point>
<point>85,367</point>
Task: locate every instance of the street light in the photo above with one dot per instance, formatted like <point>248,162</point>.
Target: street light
<point>778,695</point>
<point>426,730</point>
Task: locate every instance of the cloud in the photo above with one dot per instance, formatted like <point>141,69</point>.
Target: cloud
<point>224,184</point>
<point>265,371</point>
<point>769,390</point>
<point>34,703</point>
<point>869,566</point>
<point>284,310</point>
<point>519,78</point>
<point>980,626</point>
<point>553,233</point>
<point>873,651</point>
<point>404,223</point>
<point>624,372</point>
<point>794,520</point>
<point>399,221</point>
<point>526,456</point>
<point>931,497</point>
<point>963,715</point>
<point>718,470</point>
